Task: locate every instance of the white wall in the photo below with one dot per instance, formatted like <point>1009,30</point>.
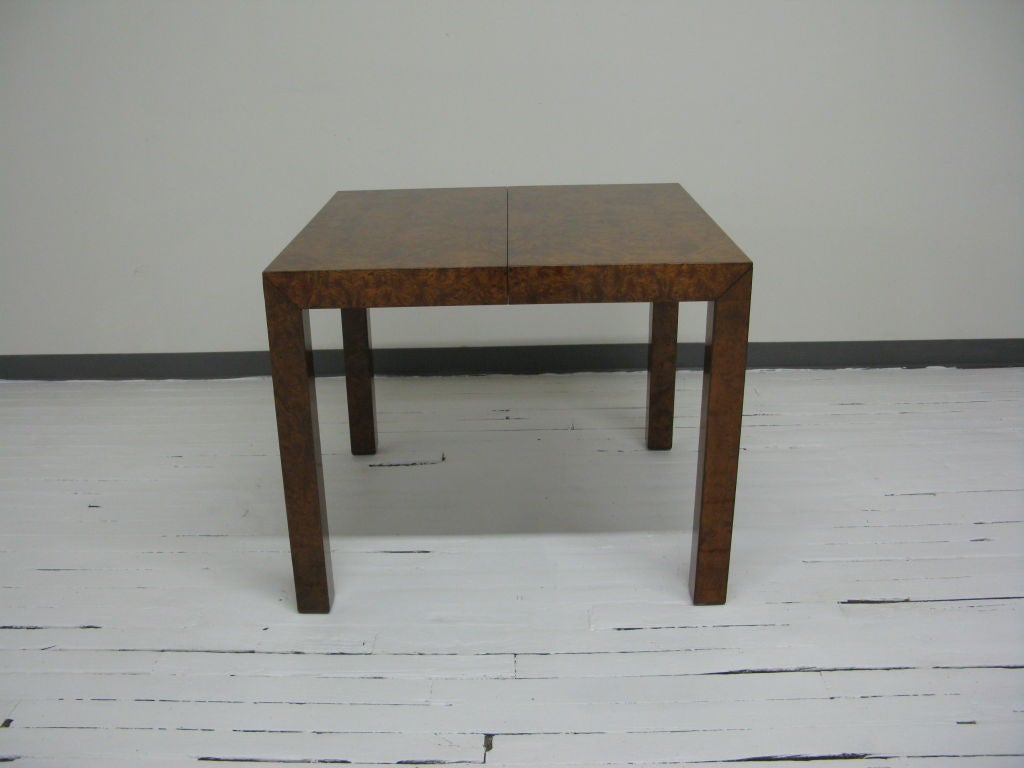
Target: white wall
<point>155,156</point>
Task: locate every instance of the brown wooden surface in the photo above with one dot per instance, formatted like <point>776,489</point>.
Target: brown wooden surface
<point>615,242</point>
<point>291,362</point>
<point>661,375</point>
<point>392,248</point>
<point>644,242</point>
<point>394,288</point>
<point>362,413</point>
<point>628,282</point>
<point>725,360</point>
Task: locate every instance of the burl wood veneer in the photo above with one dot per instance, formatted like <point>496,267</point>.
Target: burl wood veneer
<point>616,242</point>
<point>518,245</point>
<point>399,248</point>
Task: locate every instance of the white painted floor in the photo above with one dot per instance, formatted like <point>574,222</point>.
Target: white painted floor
<point>516,596</point>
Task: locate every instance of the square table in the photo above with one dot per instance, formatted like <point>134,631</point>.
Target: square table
<point>508,245</point>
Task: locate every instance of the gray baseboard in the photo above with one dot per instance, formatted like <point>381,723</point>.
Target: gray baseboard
<point>440,361</point>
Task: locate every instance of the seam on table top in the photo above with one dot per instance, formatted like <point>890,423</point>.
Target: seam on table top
<point>508,248</point>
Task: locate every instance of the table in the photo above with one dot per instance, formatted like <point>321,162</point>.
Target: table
<point>516,245</point>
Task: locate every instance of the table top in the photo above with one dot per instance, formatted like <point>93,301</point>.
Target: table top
<point>402,229</point>
<point>613,224</point>
<point>492,245</point>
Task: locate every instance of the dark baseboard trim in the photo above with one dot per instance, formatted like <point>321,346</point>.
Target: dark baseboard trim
<point>570,358</point>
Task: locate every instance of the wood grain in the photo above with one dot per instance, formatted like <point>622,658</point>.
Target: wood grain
<point>390,248</point>
<point>620,283</point>
<point>613,224</point>
<point>721,415</point>
<point>628,242</point>
<point>362,411</point>
<point>661,375</point>
<point>298,429</point>
<point>639,242</point>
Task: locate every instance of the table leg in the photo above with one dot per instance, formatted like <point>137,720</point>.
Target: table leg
<point>291,363</point>
<point>725,361</point>
<point>362,419</point>
<point>661,374</point>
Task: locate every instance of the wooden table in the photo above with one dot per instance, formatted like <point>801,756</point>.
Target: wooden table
<point>515,245</point>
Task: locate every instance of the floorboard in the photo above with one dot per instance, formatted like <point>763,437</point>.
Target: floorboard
<point>511,577</point>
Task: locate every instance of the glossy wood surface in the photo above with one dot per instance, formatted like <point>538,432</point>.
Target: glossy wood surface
<point>613,224</point>
<point>394,248</point>
<point>394,287</point>
<point>721,414</point>
<point>298,431</point>
<point>625,282</point>
<point>362,412</point>
<point>616,242</point>
<point>389,229</point>
<point>641,242</point>
<point>661,374</point>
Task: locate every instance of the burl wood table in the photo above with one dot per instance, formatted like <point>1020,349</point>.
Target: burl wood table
<point>516,245</point>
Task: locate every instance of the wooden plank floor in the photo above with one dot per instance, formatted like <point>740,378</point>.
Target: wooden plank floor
<point>511,577</point>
